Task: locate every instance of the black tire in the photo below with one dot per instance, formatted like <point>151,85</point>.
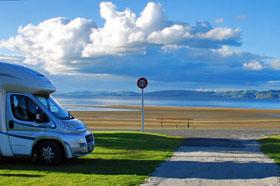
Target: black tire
<point>50,153</point>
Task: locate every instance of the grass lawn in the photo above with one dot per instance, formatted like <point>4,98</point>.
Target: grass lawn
<point>271,147</point>
<point>120,158</point>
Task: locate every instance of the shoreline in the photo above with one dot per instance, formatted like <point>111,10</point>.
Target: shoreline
<point>187,108</point>
<point>148,107</point>
<point>121,102</point>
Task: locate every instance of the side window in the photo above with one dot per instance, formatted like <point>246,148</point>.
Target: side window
<point>53,108</point>
<point>25,109</point>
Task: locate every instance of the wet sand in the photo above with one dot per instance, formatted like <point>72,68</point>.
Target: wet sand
<point>176,118</point>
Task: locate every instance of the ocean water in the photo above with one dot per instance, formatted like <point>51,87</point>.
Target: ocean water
<point>98,103</point>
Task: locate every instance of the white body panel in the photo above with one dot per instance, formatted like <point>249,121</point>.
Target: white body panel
<point>5,147</point>
<point>20,79</point>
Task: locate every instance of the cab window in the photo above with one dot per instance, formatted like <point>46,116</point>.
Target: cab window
<point>25,109</point>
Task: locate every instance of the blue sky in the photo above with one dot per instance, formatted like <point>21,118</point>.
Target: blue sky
<point>192,44</point>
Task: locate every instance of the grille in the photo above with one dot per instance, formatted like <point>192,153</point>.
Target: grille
<point>89,138</point>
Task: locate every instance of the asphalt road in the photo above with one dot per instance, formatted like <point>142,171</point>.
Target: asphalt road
<point>220,158</point>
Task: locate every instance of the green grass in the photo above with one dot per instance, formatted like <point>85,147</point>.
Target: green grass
<point>120,158</point>
<point>271,147</point>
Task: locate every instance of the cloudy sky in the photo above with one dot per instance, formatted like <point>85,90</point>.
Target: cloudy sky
<point>192,44</point>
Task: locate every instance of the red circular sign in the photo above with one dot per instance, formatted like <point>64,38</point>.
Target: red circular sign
<point>142,82</point>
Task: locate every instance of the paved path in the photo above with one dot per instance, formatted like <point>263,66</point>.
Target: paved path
<point>217,162</point>
<point>219,133</point>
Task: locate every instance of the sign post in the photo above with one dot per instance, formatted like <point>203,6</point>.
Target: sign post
<point>142,83</point>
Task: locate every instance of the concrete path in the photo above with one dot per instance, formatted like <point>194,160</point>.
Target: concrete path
<point>217,162</point>
<point>219,133</point>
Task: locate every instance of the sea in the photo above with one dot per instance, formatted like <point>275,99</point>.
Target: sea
<point>103,103</point>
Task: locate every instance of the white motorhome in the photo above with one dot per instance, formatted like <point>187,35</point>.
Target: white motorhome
<point>32,123</point>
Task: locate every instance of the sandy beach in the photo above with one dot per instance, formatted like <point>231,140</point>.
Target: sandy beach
<point>177,117</point>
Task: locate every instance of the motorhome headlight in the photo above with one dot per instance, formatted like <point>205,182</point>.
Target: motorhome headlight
<point>74,127</point>
<point>70,126</point>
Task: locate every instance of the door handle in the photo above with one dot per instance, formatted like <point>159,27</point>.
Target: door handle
<point>11,124</point>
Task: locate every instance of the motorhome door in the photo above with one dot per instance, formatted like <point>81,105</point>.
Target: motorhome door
<point>22,123</point>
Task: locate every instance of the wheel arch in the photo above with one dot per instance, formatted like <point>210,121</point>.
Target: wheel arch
<point>56,140</point>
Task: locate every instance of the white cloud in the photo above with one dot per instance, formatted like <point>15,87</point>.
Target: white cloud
<point>220,34</point>
<point>170,35</point>
<point>62,45</point>
<point>11,58</point>
<point>274,82</point>
<point>225,51</point>
<point>253,65</point>
<point>219,20</point>
<point>267,63</point>
<point>53,43</point>
<point>172,48</point>
<point>117,35</point>
<point>152,18</point>
<point>275,64</point>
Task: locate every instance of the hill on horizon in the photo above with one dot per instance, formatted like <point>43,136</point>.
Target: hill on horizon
<point>234,94</point>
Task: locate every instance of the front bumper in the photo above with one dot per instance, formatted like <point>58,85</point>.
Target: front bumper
<point>81,145</point>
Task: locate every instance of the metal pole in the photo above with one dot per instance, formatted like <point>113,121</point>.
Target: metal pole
<point>142,110</point>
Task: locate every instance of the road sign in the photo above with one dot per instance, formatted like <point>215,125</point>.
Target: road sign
<point>142,83</point>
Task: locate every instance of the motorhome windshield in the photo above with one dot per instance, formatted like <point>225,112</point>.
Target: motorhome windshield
<point>54,107</point>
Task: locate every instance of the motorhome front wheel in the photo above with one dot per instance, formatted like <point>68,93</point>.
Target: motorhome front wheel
<point>50,153</point>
